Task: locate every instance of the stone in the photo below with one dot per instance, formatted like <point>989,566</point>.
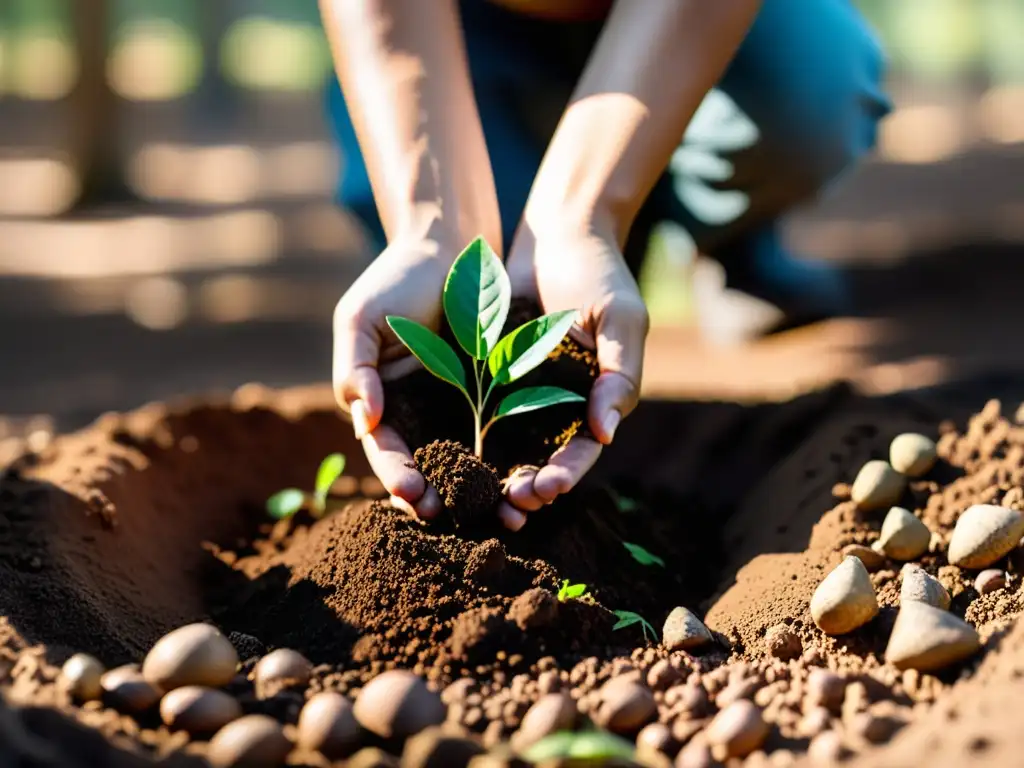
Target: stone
<point>196,654</point>
<point>872,559</point>
<point>625,706</point>
<point>827,749</point>
<point>372,757</point>
<point>252,741</point>
<point>845,599</point>
<point>434,748</point>
<point>662,675</point>
<point>198,710</point>
<point>551,713</point>
<point>825,689</point>
<point>877,486</point>
<point>737,730</point>
<point>683,631</point>
<point>990,580</point>
<point>655,737</point>
<point>912,454</point>
<point>927,639</point>
<point>80,677</point>
<point>327,725</point>
<point>903,535</point>
<point>817,720</point>
<point>281,669</point>
<point>983,534</point>
<point>397,704</point>
<point>875,729</point>
<point>783,642</point>
<point>126,690</point>
<point>920,586</point>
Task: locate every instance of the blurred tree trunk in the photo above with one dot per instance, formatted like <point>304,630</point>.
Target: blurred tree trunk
<point>95,109</point>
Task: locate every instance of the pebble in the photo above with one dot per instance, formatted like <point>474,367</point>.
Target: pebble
<point>817,720</point>
<point>126,690</point>
<point>983,534</point>
<point>827,748</point>
<point>80,677</point>
<point>279,669</point>
<point>912,455</point>
<point>372,757</point>
<point>920,586</point>
<point>845,599</point>
<point>990,580</point>
<point>397,704</point>
<point>196,654</point>
<point>683,631</point>
<point>197,710</point>
<point>655,737</point>
<point>926,638</point>
<point>783,643</point>
<point>872,559</point>
<point>689,698</point>
<point>825,689</point>
<point>877,486</point>
<point>662,675</point>
<point>737,730</point>
<point>696,754</point>
<point>626,706</point>
<point>433,748</point>
<point>327,725</point>
<point>903,535</point>
<point>874,728</point>
<point>551,713</point>
<point>253,741</point>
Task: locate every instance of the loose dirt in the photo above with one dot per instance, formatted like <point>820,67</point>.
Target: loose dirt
<point>143,522</point>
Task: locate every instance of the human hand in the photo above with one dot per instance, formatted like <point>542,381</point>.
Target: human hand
<point>406,279</point>
<point>584,271</point>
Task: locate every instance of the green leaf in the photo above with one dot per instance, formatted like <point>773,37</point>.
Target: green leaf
<point>528,346</point>
<point>330,470</point>
<point>533,399</point>
<point>476,298</point>
<point>430,349</point>
<point>642,556</point>
<point>571,591</point>
<point>629,618</point>
<point>592,745</point>
<point>551,747</point>
<point>285,503</point>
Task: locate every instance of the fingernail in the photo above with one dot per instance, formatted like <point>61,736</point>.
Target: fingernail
<point>611,423</point>
<point>360,424</point>
<point>513,519</point>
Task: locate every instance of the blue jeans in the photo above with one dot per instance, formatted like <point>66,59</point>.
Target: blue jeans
<point>799,104</point>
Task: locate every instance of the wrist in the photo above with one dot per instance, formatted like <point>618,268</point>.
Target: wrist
<point>447,236</point>
<point>568,216</point>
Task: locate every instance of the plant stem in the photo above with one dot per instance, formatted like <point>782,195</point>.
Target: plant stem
<point>478,448</point>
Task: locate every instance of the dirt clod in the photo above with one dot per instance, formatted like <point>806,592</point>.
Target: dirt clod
<point>469,488</point>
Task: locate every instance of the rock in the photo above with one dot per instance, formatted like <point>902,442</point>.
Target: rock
<point>845,599</point>
<point>737,730</point>
<point>126,690</point>
<point>874,728</point>
<point>827,748</point>
<point>990,580</point>
<point>196,654</point>
<point>372,757</point>
<point>696,754</point>
<point>198,710</point>
<point>625,706</point>
<point>534,609</point>
<point>872,559</point>
<point>433,748</point>
<point>253,741</point>
<point>926,638</point>
<point>327,725</point>
<point>397,704</point>
<point>920,586</point>
<point>817,720</point>
<point>825,689</point>
<point>783,643</point>
<point>551,713</point>
<point>281,669</point>
<point>983,534</point>
<point>912,455</point>
<point>656,737</point>
<point>690,698</point>
<point>877,486</point>
<point>683,631</point>
<point>663,675</point>
<point>903,535</point>
<point>80,677</point>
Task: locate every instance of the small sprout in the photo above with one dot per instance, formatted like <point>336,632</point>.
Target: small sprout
<point>289,501</point>
<point>571,591</point>
<point>625,504</point>
<point>642,556</point>
<point>476,300</point>
<point>628,619</point>
<point>583,746</point>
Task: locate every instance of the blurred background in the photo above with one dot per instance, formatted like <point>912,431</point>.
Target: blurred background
<point>167,224</point>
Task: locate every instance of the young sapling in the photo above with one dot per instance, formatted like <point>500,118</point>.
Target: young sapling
<point>289,501</point>
<point>476,299</point>
<point>642,556</point>
<point>628,619</point>
<point>572,591</point>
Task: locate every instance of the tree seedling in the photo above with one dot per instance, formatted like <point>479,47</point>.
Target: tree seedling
<point>628,619</point>
<point>476,299</point>
<point>642,556</point>
<point>289,501</point>
<point>572,591</point>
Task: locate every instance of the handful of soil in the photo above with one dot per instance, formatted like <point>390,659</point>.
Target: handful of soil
<point>469,488</point>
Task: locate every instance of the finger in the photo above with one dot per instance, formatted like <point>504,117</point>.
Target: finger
<point>520,493</point>
<point>612,397</point>
<point>427,508</point>
<point>357,385</point>
<point>391,461</point>
<point>519,263</point>
<point>621,335</point>
<point>511,517</point>
<point>566,468</point>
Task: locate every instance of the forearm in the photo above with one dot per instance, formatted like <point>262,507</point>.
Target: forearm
<point>650,70</point>
<point>402,68</point>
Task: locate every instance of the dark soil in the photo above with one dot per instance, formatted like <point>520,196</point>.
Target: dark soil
<point>469,488</point>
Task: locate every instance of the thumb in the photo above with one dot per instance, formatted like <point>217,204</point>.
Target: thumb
<point>357,384</point>
<point>621,334</point>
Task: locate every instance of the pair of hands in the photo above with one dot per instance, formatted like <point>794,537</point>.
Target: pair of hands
<point>576,271</point>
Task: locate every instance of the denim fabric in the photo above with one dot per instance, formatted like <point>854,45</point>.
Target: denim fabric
<point>799,104</point>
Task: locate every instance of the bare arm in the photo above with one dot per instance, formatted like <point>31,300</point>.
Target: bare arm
<point>651,68</point>
<point>402,68</point>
